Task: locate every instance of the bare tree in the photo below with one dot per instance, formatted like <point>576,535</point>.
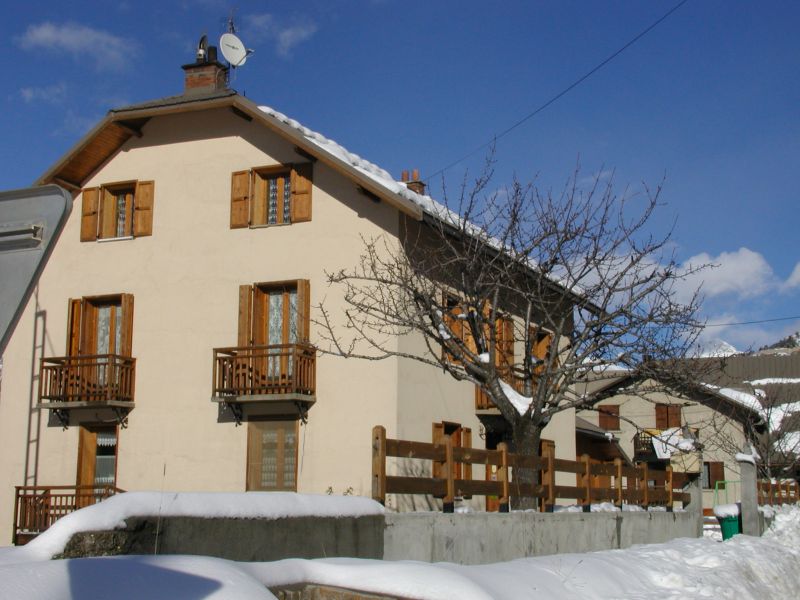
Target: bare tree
<point>522,292</point>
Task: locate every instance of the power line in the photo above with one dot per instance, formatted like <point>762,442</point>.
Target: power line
<point>566,90</point>
<point>753,322</point>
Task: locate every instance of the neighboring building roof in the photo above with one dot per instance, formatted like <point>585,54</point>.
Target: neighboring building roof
<point>593,432</point>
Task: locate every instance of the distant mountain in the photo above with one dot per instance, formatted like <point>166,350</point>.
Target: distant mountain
<point>716,348</point>
<point>790,341</point>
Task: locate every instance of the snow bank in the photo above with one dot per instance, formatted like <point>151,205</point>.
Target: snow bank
<point>111,513</point>
<point>744,568</point>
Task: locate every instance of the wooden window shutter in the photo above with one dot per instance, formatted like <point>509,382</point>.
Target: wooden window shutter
<point>301,192</point>
<point>143,208</point>
<point>87,449</point>
<point>241,184</point>
<point>673,415</point>
<point>662,416</point>
<point>716,473</point>
<point>75,309</point>
<point>609,417</point>
<point>108,214</point>
<point>303,310</point>
<point>466,442</point>
<point>89,209</point>
<point>504,352</point>
<point>245,315</point>
<point>126,331</point>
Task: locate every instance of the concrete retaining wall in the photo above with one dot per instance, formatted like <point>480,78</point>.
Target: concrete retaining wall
<point>238,539</point>
<point>472,538</point>
<point>477,538</point>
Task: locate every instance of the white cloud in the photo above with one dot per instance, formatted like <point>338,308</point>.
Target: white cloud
<point>743,273</point>
<point>75,124</point>
<point>104,50</point>
<point>52,94</point>
<point>794,279</point>
<point>264,27</point>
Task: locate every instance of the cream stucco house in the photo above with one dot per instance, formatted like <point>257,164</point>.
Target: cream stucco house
<point>170,342</point>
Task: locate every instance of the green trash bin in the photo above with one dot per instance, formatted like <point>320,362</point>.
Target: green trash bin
<point>730,526</point>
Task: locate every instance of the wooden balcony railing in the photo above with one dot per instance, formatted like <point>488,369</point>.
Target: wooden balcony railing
<point>100,378</point>
<point>37,507</point>
<point>643,443</point>
<point>282,369</point>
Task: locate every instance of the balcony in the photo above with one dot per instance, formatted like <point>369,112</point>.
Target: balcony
<point>643,450</point>
<point>37,507</point>
<point>76,383</point>
<point>484,403</point>
<point>272,380</point>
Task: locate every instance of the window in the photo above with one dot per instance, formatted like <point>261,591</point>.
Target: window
<point>97,457</point>
<point>271,196</point>
<point>274,313</point>
<point>461,325</point>
<point>609,417</point>
<point>100,325</point>
<point>272,455</point>
<point>712,473</point>
<point>668,416</point>
<point>119,210</point>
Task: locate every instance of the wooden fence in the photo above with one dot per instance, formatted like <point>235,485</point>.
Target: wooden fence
<point>595,482</point>
<point>778,492</point>
<point>37,507</point>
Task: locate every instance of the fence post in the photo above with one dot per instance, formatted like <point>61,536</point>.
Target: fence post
<point>668,485</point>
<point>586,484</point>
<point>618,481</point>
<point>502,476</point>
<point>379,464</point>
<point>644,496</point>
<point>550,476</point>
<point>448,504</point>
<point>750,517</point>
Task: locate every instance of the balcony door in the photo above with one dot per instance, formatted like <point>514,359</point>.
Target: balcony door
<point>275,316</point>
<point>97,460</point>
<point>100,325</point>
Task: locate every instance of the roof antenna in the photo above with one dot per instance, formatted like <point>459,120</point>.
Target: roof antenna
<point>202,49</point>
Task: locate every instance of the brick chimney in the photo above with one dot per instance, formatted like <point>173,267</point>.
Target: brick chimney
<point>205,75</point>
<point>413,183</point>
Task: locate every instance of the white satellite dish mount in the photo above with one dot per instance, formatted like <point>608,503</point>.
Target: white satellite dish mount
<point>232,48</point>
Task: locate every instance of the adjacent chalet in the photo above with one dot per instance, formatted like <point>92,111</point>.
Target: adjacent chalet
<point>663,428</point>
<point>170,343</point>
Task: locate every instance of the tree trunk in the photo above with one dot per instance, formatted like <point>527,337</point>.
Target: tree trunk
<point>526,437</point>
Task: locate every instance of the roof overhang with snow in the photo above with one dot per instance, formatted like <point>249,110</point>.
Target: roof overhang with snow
<point>119,125</point>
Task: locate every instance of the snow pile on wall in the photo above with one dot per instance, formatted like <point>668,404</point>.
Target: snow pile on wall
<point>111,513</point>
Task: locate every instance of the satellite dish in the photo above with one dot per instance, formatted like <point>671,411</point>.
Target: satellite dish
<point>233,49</point>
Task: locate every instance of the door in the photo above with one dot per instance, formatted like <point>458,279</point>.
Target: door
<point>272,456</point>
<point>97,461</point>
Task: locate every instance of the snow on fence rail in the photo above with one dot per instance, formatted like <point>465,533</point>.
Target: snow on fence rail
<point>778,492</point>
<point>614,482</point>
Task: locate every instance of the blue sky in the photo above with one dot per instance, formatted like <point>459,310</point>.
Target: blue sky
<point>710,99</point>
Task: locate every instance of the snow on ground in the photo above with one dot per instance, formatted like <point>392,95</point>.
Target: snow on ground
<point>741,568</point>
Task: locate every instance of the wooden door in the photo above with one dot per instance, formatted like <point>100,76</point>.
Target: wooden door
<point>97,460</point>
<point>272,455</point>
